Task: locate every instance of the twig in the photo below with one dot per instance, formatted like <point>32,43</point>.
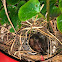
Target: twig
<point>4,4</point>
<point>51,35</point>
<point>44,33</point>
<point>52,26</point>
<point>41,7</point>
<point>30,32</point>
<point>30,28</point>
<point>21,44</point>
<point>25,24</point>
<point>12,55</point>
<point>7,36</point>
<point>55,37</point>
<point>35,20</point>
<point>27,32</point>
<point>13,44</point>
<point>9,31</point>
<point>23,52</point>
<point>4,47</point>
<point>9,42</point>
<point>48,49</point>
<point>29,37</point>
<point>20,40</point>
<point>29,23</point>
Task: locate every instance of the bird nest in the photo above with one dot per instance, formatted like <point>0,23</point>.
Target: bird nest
<point>18,44</point>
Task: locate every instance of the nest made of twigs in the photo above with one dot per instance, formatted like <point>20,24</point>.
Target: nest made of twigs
<point>18,46</point>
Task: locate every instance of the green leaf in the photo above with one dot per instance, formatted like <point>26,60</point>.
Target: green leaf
<point>60,5</point>
<point>29,9</point>
<point>12,2</point>
<point>21,3</point>
<point>43,11</point>
<point>40,16</point>
<point>13,14</point>
<point>52,2</point>
<point>3,17</point>
<point>43,1</point>
<point>14,17</point>
<point>0,4</point>
<point>59,23</point>
<point>12,30</point>
<point>54,11</point>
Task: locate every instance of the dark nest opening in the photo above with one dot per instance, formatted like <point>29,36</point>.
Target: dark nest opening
<point>39,43</point>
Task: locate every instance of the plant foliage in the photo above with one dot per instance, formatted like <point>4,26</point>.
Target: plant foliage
<point>12,2</point>
<point>20,10</point>
<point>29,9</point>
<point>59,22</point>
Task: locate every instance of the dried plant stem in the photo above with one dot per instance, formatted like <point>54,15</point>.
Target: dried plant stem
<point>10,42</point>
<point>48,49</point>
<point>22,52</point>
<point>4,47</point>
<point>28,40</point>
<point>30,28</point>
<point>9,31</point>
<point>21,43</point>
<point>35,20</point>
<point>5,28</point>
<point>55,37</point>
<point>20,40</point>
<point>13,44</point>
<point>27,33</point>
<point>29,37</point>
<point>4,4</point>
<point>12,55</point>
<point>7,36</point>
<point>9,52</point>
<point>41,7</point>
<point>29,23</point>
<point>44,32</point>
<point>25,24</point>
<point>51,35</point>
<point>52,26</point>
<point>30,32</point>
